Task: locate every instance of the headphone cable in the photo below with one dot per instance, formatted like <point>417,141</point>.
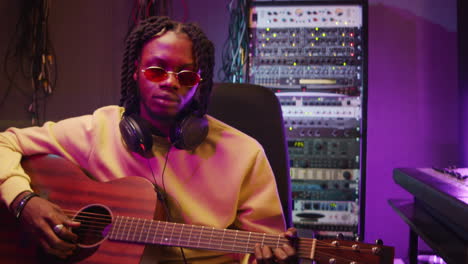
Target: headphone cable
<point>162,195</point>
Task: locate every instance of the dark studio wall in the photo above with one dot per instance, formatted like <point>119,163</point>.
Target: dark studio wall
<point>415,114</point>
<point>88,39</point>
<point>463,78</point>
<point>413,118</point>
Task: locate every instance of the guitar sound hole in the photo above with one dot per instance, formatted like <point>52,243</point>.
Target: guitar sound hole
<point>95,221</point>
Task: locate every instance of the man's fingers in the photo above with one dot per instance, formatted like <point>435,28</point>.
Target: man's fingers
<point>285,254</point>
<point>56,240</point>
<point>67,233</point>
<point>290,251</point>
<point>263,254</point>
<point>291,232</point>
<point>280,254</point>
<point>49,249</point>
<point>266,252</point>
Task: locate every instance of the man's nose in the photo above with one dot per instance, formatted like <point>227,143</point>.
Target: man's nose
<point>172,79</point>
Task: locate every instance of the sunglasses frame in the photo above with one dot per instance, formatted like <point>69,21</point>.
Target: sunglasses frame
<point>171,72</point>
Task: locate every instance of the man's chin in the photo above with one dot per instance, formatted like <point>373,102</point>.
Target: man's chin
<point>162,115</point>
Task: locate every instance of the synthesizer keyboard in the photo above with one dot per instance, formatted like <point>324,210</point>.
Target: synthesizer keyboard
<point>444,192</point>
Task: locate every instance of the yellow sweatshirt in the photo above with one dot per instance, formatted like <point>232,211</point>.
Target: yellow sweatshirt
<point>225,182</point>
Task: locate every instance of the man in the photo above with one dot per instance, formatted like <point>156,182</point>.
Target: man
<point>209,173</point>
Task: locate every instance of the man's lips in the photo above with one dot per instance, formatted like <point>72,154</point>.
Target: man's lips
<point>166,98</point>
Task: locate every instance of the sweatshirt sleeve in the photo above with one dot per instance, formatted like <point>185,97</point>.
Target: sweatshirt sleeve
<point>260,207</point>
<point>70,138</point>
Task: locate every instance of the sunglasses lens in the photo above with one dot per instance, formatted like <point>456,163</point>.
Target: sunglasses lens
<point>155,74</point>
<point>188,78</point>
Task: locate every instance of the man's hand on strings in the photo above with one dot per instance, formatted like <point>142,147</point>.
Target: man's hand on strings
<point>285,254</point>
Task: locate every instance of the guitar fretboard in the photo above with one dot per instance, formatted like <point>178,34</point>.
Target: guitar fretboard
<point>146,231</point>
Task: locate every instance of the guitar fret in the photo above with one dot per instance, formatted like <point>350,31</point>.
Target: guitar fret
<point>141,223</point>
<point>190,235</point>
<point>211,237</point>
<point>157,230</point>
<point>137,229</point>
<point>132,228</point>
<point>312,251</point>
<point>129,228</point>
<point>126,228</point>
<point>180,234</point>
<point>115,231</point>
<point>142,229</point>
<point>115,228</point>
<point>235,237</point>
<point>199,237</point>
<point>125,231</point>
<point>149,230</point>
<point>123,227</point>
<point>172,232</point>
<point>163,233</point>
<point>247,246</point>
<point>277,243</point>
<point>263,239</point>
<point>122,232</point>
<point>222,239</point>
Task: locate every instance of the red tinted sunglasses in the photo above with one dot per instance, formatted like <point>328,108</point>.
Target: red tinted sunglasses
<point>158,74</point>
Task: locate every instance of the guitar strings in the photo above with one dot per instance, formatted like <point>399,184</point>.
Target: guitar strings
<point>96,226</point>
<point>102,224</point>
<point>96,223</point>
<point>99,225</point>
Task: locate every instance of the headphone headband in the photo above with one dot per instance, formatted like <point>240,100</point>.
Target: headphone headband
<point>187,134</point>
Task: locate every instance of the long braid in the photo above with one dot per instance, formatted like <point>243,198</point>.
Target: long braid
<point>203,52</point>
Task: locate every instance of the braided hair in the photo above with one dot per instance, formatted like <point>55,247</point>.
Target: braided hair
<point>202,50</point>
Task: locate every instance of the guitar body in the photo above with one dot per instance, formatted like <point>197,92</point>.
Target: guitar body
<point>117,221</point>
<point>66,185</point>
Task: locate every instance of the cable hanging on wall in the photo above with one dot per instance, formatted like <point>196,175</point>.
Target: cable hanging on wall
<point>235,49</point>
<point>31,54</point>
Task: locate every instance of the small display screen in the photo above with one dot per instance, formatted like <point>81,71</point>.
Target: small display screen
<point>296,144</point>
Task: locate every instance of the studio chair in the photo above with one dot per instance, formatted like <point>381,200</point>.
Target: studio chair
<point>256,111</point>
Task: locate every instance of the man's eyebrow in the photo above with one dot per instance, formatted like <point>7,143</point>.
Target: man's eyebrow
<point>163,62</point>
<point>156,60</point>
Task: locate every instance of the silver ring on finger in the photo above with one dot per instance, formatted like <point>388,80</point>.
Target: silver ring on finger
<point>57,228</point>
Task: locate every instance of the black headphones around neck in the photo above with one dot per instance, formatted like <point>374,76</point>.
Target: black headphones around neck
<point>187,134</point>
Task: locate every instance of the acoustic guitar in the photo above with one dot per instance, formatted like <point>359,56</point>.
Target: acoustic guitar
<point>117,222</point>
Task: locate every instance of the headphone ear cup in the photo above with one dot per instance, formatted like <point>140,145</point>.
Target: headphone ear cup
<point>190,132</point>
<point>136,134</point>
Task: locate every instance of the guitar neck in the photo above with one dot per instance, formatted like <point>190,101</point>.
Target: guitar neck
<point>145,231</point>
<point>129,229</point>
